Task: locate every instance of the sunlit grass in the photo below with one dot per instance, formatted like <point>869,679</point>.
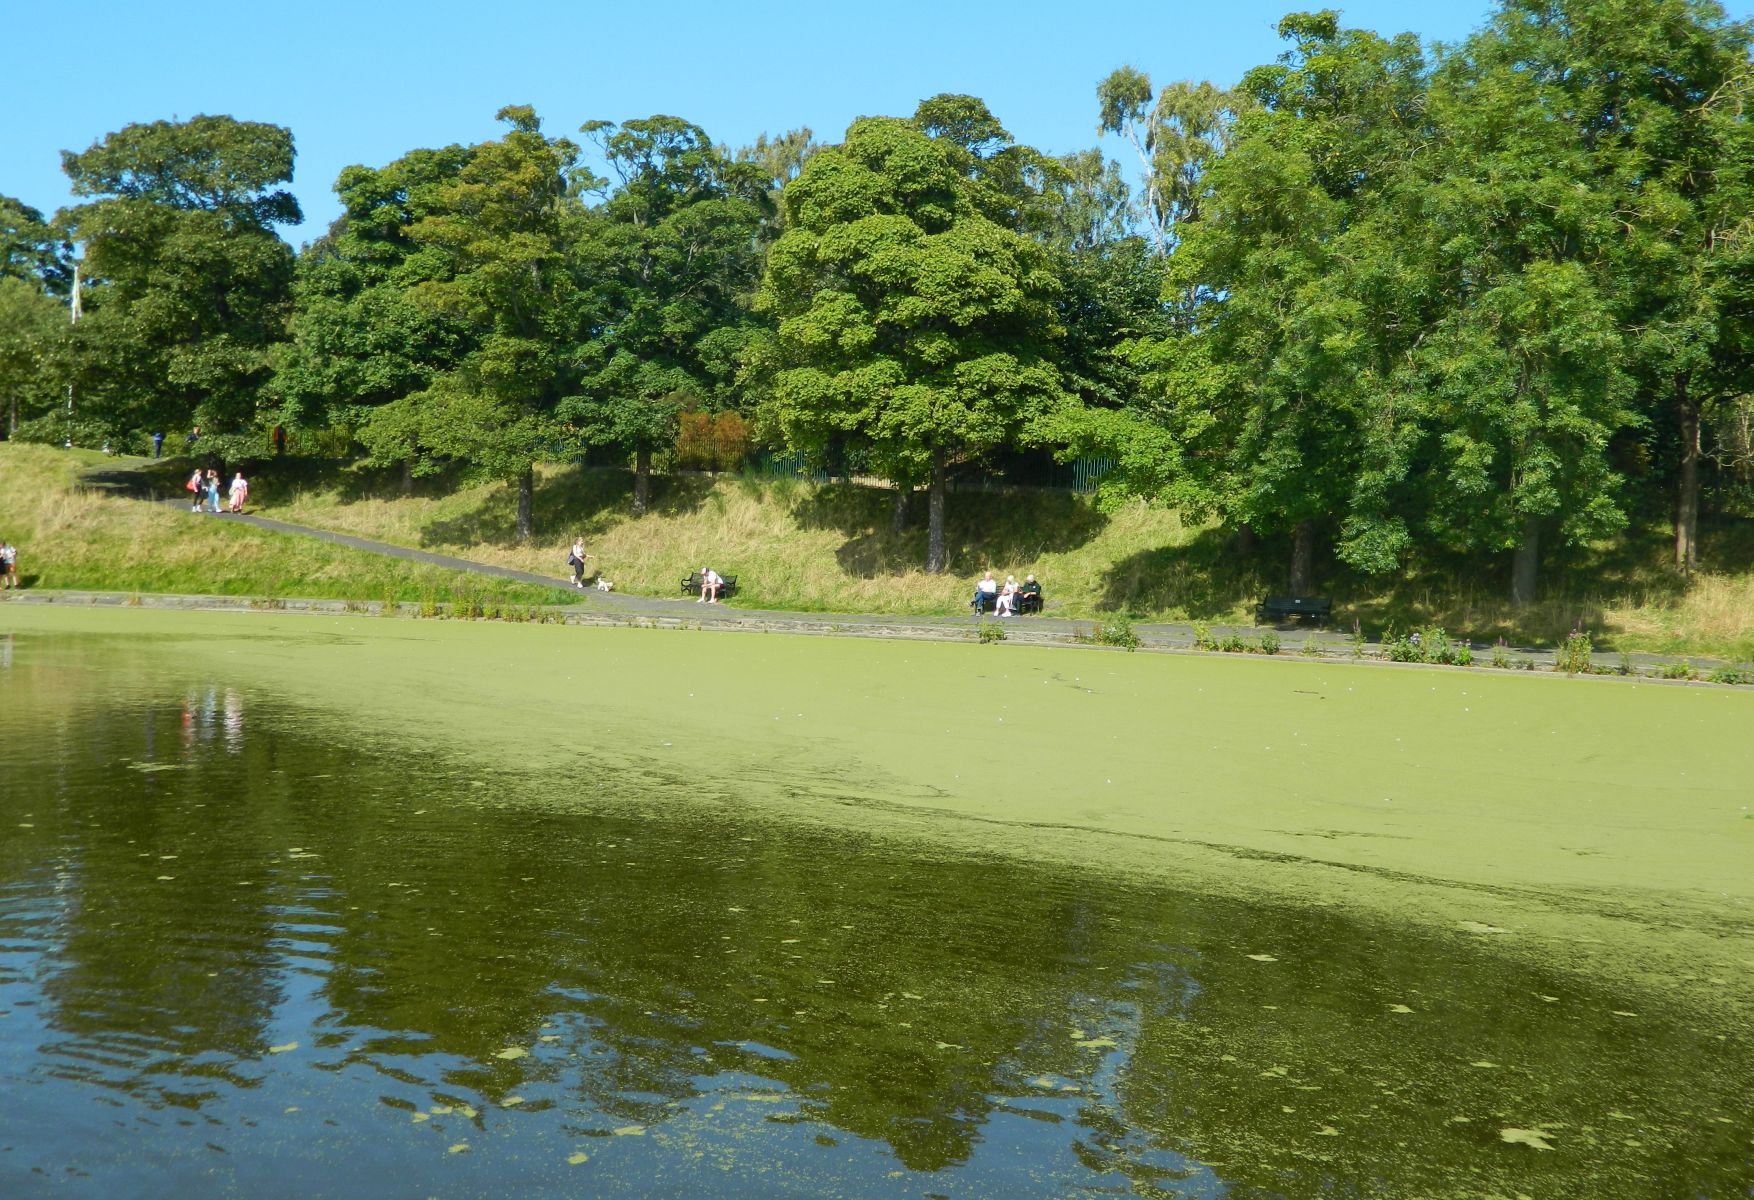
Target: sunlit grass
<point>803,546</point>
<point>71,535</point>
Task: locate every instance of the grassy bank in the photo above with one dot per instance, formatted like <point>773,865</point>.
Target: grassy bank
<point>74,535</point>
<point>833,548</point>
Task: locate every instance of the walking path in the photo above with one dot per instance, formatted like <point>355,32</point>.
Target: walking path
<point>616,608</point>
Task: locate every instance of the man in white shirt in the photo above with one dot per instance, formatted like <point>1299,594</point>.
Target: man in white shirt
<point>710,585</point>
<point>986,594</point>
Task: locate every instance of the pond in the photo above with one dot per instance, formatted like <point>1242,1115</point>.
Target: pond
<point>248,949</point>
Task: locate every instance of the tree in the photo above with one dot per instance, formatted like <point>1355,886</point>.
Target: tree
<point>675,252</point>
<point>188,281</point>
<point>30,250</point>
<point>361,350</point>
<point>1291,303</point>
<point>505,224</point>
<point>911,313</point>
<point>31,323</point>
<point>1176,136</point>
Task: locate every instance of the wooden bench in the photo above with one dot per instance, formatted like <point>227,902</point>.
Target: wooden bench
<point>691,585</point>
<point>1292,608</point>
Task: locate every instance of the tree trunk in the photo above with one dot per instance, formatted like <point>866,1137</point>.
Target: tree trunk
<point>898,515</point>
<point>642,480</point>
<point>1303,558</point>
<point>935,556</point>
<point>12,418</point>
<point>407,477</point>
<point>1245,538</point>
<point>526,499</point>
<point>1522,567</point>
<point>1687,505</point>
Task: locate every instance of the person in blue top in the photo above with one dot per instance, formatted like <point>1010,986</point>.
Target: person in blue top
<point>157,444</point>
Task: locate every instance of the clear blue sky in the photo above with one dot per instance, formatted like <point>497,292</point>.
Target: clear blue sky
<point>365,81</point>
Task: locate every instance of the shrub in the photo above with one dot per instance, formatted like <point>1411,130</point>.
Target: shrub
<point>1731,675</point>
<point>1357,639</point>
<point>1118,631</point>
<point>1624,666</point>
<point>1310,648</point>
<point>1677,670</point>
<point>989,631</point>
<point>1269,643</point>
<point>1573,655</point>
<point>1203,639</point>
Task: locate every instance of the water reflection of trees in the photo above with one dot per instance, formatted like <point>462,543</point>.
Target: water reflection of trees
<point>891,995</point>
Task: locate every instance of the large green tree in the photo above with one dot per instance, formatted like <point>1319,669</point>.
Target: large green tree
<point>673,254</point>
<point>362,351</point>
<point>505,225</point>
<point>1291,305</point>
<point>912,314</point>
<point>189,283</point>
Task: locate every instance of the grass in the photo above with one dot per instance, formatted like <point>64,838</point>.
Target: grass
<point>830,547</point>
<point>73,535</point>
<point>827,548</point>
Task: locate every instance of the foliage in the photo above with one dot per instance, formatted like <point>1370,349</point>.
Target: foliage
<point>989,631</point>
<point>674,252</point>
<point>188,283</point>
<point>1573,654</point>
<point>1117,630</point>
<point>1270,642</point>
<point>911,315</point>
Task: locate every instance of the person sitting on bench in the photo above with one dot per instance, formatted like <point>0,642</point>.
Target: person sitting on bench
<point>710,585</point>
<point>1008,598</point>
<point>986,594</point>
<point>1029,595</point>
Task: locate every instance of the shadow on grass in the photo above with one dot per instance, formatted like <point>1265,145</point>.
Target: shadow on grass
<point>1207,579</point>
<point>587,502</point>
<point>981,529</point>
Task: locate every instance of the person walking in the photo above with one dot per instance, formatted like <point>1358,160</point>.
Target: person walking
<point>240,491</point>
<point>195,485</point>
<point>157,444</point>
<point>8,565</point>
<point>213,489</point>
<point>576,560</point>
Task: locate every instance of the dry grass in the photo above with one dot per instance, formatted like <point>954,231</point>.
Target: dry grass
<point>831,548</point>
<point>75,536</point>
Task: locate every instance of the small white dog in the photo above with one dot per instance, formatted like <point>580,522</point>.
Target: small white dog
<point>603,585</point>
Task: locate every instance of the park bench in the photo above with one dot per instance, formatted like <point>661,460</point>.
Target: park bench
<point>691,585</point>
<point>1275,609</point>
<point>1027,602</point>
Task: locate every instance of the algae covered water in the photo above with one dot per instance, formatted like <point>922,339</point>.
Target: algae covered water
<point>256,946</point>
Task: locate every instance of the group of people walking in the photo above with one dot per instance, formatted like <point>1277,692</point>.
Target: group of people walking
<point>8,565</point>
<point>204,486</point>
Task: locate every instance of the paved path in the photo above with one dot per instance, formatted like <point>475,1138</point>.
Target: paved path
<point>592,607</point>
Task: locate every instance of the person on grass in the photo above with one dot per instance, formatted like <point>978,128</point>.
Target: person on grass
<point>213,490</point>
<point>711,584</point>
<point>576,560</point>
<point>8,565</point>
<point>194,486</point>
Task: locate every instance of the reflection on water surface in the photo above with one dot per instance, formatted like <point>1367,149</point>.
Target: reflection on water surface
<point>240,955</point>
